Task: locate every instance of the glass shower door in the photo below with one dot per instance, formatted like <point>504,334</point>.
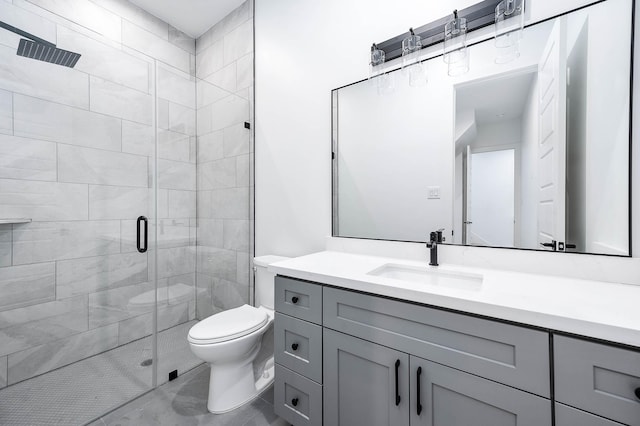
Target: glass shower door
<point>77,169</point>
<point>176,216</point>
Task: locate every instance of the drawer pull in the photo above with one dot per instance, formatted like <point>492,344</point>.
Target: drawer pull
<point>294,299</point>
<point>397,391</point>
<point>637,392</point>
<point>294,402</point>
<point>294,346</point>
<point>418,399</point>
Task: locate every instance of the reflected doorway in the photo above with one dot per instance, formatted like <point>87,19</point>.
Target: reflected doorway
<point>489,216</point>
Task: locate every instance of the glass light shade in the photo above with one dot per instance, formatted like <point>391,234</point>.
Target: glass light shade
<point>411,44</point>
<point>377,59</point>
<point>461,65</point>
<point>455,40</point>
<point>418,74</point>
<point>385,83</point>
<point>377,56</point>
<point>509,23</point>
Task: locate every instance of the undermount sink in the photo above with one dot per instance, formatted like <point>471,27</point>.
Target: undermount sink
<point>429,276</point>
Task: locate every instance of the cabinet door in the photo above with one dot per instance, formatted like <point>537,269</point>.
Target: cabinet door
<point>364,383</point>
<point>450,397</point>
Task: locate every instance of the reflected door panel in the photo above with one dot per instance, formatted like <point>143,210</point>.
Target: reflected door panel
<point>492,198</point>
<point>552,138</point>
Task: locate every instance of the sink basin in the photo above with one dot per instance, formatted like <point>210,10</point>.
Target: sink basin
<point>429,276</point>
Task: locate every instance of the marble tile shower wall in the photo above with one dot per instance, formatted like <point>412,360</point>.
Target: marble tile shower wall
<point>224,71</point>
<point>77,151</point>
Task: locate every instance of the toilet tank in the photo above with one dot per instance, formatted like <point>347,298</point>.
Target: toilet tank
<point>264,280</point>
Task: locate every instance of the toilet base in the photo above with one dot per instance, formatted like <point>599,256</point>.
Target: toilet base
<point>232,386</point>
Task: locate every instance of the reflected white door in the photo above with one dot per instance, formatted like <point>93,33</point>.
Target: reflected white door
<point>467,222</point>
<point>492,198</point>
<point>552,137</point>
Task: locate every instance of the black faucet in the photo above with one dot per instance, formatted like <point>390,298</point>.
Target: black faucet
<point>435,238</point>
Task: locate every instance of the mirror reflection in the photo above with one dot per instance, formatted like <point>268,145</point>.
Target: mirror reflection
<point>533,153</point>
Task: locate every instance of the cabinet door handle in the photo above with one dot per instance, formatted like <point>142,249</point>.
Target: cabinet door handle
<point>294,402</point>
<point>294,346</point>
<point>138,239</point>
<point>637,392</point>
<point>418,399</point>
<point>397,390</point>
<point>294,299</point>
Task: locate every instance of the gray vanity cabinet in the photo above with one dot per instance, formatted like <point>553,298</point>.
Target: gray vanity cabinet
<point>364,383</point>
<point>348,358</point>
<point>443,396</point>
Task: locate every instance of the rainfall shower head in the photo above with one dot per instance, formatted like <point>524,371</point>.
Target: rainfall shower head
<point>42,50</point>
<point>47,53</point>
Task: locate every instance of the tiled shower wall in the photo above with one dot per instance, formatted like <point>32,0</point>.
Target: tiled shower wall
<point>77,157</point>
<point>224,74</point>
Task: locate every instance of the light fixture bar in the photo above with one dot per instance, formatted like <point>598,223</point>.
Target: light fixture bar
<point>478,16</point>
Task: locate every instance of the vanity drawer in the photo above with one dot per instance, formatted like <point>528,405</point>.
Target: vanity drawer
<point>567,416</point>
<point>299,299</point>
<point>298,346</point>
<point>598,378</point>
<point>515,356</point>
<point>297,399</point>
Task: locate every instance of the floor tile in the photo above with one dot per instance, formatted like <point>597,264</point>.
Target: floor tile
<point>184,402</point>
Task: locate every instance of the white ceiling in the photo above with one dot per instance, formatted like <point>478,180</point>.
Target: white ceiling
<point>496,100</point>
<point>193,17</point>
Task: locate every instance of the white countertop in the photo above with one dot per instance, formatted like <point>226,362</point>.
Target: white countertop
<point>595,309</point>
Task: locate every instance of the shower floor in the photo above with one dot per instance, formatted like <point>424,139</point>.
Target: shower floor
<point>83,391</point>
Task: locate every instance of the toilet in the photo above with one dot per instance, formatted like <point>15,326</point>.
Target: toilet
<point>229,342</point>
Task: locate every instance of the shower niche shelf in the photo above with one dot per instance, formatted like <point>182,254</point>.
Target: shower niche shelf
<point>14,220</point>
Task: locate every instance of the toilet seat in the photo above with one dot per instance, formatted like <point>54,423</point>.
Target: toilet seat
<point>228,325</point>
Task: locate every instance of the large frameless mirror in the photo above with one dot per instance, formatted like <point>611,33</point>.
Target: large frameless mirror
<point>532,153</point>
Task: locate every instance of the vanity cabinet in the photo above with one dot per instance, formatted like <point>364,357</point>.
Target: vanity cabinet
<point>348,358</point>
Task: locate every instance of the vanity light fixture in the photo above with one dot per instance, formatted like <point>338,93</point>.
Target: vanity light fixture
<point>509,23</point>
<point>454,36</point>
<point>456,54</point>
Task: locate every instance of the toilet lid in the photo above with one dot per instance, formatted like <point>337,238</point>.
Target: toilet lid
<point>228,325</point>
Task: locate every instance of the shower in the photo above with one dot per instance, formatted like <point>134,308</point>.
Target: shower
<point>41,50</point>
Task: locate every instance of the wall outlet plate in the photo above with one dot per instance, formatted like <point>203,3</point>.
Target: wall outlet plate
<point>433,192</point>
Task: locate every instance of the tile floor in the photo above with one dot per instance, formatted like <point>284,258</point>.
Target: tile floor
<point>82,391</point>
<point>183,402</point>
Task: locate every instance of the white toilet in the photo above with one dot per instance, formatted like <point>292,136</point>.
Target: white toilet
<point>229,342</point>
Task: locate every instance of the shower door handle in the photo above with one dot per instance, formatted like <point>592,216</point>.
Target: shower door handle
<point>142,249</point>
